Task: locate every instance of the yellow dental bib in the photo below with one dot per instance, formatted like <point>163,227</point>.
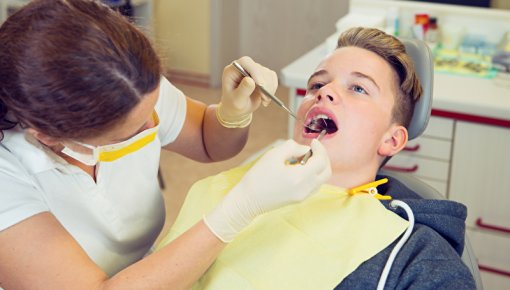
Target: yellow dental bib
<point>314,244</point>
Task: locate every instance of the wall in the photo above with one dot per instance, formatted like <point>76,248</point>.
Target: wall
<point>182,37</point>
<point>273,33</point>
<point>225,42</point>
<point>500,4</point>
<point>277,32</point>
<point>197,40</point>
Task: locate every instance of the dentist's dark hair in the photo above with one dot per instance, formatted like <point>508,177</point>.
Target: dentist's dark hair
<point>408,86</point>
<point>72,68</point>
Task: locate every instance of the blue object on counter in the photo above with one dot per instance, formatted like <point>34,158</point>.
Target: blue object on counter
<point>471,43</point>
<point>476,44</point>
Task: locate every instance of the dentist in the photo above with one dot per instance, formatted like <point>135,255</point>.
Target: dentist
<point>84,113</point>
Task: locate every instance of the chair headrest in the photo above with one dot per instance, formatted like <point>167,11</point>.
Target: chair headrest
<point>424,65</point>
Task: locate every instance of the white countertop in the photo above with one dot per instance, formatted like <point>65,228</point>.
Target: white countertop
<point>466,95</point>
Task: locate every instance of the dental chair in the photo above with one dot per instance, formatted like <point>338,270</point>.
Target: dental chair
<point>422,58</point>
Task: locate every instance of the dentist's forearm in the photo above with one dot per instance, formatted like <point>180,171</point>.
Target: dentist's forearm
<point>176,266</point>
<point>222,143</point>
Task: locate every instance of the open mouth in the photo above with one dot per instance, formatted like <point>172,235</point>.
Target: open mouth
<point>321,122</point>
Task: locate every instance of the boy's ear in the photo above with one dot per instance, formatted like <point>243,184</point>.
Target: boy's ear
<point>43,138</point>
<point>393,141</point>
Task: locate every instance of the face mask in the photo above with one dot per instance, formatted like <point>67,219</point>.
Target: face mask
<point>112,152</point>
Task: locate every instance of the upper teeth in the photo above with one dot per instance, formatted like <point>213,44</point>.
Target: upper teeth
<point>320,116</point>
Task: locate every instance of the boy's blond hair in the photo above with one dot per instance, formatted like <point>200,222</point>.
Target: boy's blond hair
<point>393,51</point>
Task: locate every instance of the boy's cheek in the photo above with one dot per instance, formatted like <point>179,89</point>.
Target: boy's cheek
<point>306,104</point>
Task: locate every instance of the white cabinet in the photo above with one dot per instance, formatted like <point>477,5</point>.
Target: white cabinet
<point>480,179</point>
<point>481,172</point>
<point>493,255</point>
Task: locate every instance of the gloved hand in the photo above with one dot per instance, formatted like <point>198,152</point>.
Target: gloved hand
<point>269,184</point>
<point>240,98</point>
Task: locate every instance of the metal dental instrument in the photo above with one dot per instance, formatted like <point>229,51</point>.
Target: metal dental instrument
<point>313,126</point>
<point>264,91</point>
<point>309,153</point>
<point>303,159</point>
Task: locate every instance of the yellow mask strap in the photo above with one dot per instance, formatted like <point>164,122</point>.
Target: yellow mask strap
<point>370,188</point>
<point>135,146</point>
<point>112,155</point>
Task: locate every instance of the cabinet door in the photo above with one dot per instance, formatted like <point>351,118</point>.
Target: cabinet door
<point>439,128</point>
<point>419,166</point>
<point>480,174</point>
<point>492,254</point>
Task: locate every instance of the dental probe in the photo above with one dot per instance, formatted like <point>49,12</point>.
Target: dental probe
<point>304,158</point>
<point>309,153</point>
<point>264,91</point>
<point>313,126</point>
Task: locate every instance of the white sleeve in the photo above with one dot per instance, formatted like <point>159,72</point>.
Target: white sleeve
<point>171,109</point>
<point>19,197</point>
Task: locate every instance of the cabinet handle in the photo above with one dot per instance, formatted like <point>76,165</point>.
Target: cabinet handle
<point>412,149</point>
<point>482,225</point>
<point>402,169</point>
<point>493,270</point>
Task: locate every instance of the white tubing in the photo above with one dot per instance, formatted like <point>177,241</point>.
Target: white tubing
<point>394,252</point>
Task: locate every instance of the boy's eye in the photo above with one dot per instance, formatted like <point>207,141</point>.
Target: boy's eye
<point>315,86</point>
<point>359,89</point>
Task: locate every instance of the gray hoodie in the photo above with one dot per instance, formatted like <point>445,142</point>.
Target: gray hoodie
<point>430,259</point>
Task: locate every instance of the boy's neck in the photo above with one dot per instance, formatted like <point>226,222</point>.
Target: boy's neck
<point>352,178</point>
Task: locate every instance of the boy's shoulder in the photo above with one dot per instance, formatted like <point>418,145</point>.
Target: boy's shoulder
<point>426,261</point>
<point>445,217</point>
<point>434,247</point>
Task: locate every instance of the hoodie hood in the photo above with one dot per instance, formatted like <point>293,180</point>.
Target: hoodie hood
<point>444,216</point>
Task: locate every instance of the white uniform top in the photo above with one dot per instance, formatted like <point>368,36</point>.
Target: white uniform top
<point>115,219</point>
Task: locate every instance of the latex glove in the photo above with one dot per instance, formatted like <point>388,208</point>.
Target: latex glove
<point>269,184</point>
<point>240,97</point>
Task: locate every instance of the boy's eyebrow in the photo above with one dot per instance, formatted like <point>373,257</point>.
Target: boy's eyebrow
<point>356,73</point>
<point>317,73</point>
<point>362,75</point>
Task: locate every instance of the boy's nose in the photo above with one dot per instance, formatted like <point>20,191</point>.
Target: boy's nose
<point>326,97</point>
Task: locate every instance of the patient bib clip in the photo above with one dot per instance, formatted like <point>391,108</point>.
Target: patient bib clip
<point>370,188</point>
